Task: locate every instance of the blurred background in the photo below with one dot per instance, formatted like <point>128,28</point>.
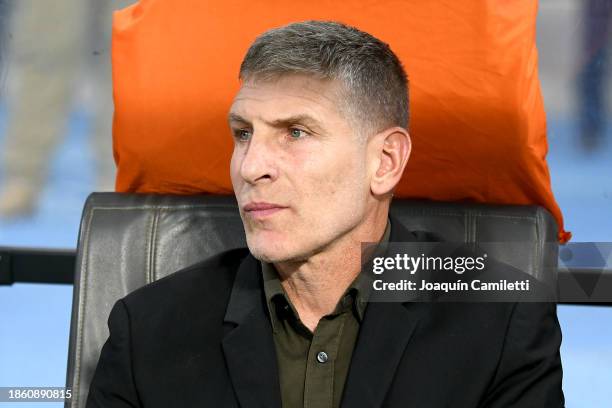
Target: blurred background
<point>55,148</point>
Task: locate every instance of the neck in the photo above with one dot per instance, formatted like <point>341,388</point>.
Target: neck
<point>316,285</point>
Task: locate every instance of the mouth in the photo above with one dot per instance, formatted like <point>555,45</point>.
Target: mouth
<point>260,210</point>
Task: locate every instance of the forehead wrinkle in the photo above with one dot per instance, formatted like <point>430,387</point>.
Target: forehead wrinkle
<point>331,90</point>
<point>297,118</point>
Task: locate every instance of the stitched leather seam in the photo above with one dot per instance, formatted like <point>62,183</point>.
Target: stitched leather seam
<point>82,299</point>
<point>539,250</point>
<point>233,207</point>
<point>149,229</point>
<point>472,226</point>
<point>153,241</point>
<point>463,215</point>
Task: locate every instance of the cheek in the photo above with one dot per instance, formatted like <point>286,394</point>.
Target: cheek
<point>340,184</point>
<point>235,168</point>
<point>350,171</point>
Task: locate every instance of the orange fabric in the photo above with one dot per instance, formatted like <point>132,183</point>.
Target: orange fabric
<point>477,116</point>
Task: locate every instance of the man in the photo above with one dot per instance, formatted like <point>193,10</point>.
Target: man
<point>320,142</point>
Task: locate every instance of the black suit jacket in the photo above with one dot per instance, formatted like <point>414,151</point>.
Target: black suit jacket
<point>201,337</point>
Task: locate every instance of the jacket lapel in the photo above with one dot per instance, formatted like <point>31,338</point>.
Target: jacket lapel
<point>384,335</point>
<point>248,344</point>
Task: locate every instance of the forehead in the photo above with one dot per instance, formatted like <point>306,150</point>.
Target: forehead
<point>287,95</point>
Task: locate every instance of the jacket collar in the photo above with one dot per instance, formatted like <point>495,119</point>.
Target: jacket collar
<point>248,344</point>
<point>384,335</point>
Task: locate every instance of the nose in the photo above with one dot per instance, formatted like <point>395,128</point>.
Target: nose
<point>257,162</point>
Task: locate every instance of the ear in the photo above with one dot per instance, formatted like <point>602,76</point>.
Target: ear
<point>391,150</point>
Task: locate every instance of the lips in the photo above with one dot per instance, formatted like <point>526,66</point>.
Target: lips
<point>262,209</point>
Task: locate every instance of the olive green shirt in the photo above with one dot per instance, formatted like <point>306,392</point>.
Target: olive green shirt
<point>313,366</point>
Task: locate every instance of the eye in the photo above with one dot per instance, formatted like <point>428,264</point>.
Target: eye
<point>296,133</point>
<point>242,134</point>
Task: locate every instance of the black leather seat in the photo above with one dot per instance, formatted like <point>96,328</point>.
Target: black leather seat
<point>129,240</point>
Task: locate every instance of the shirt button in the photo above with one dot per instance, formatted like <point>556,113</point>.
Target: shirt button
<point>284,310</point>
<point>322,357</point>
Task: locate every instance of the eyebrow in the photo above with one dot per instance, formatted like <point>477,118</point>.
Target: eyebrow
<point>283,122</point>
<point>232,117</point>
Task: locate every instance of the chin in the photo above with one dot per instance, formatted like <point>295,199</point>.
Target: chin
<point>267,256</point>
<point>263,249</point>
<point>272,253</point>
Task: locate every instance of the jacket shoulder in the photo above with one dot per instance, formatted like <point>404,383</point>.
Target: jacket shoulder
<point>207,281</point>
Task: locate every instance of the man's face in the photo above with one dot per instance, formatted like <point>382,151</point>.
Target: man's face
<point>298,168</point>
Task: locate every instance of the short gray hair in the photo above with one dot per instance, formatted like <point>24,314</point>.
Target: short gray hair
<point>374,81</point>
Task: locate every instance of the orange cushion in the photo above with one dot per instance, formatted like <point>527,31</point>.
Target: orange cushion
<point>477,116</point>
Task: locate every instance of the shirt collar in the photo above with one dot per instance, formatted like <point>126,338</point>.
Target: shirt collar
<point>359,289</point>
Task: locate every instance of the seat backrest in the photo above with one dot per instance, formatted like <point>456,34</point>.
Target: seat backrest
<point>129,240</point>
